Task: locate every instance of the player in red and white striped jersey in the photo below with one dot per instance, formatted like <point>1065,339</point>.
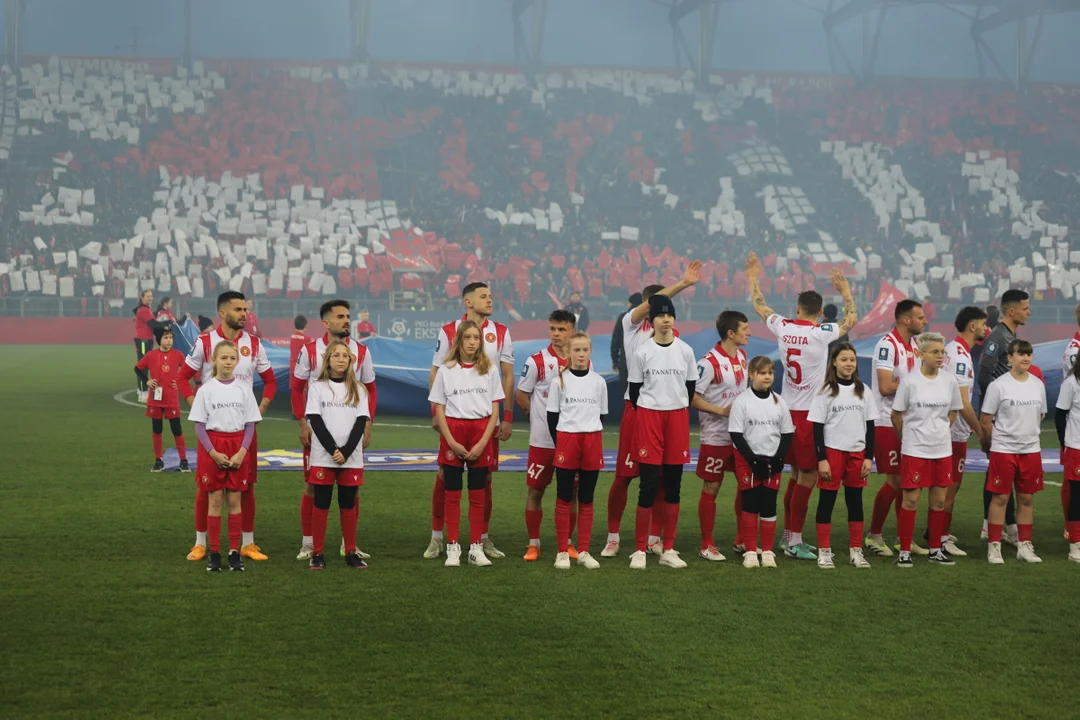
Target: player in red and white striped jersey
<point>232,309</point>
<point>532,394</point>
<point>722,377</point>
<point>895,356</point>
<point>336,319</point>
<point>637,329</point>
<point>804,353</point>
<point>971,328</point>
<point>500,349</point>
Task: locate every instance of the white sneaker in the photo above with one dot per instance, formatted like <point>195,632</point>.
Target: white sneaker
<point>587,561</point>
<point>562,561</point>
<point>1074,552</point>
<point>825,559</point>
<point>453,554</point>
<point>671,559</point>
<point>477,556</point>
<point>993,554</point>
<point>711,554</point>
<point>768,559</point>
<point>435,549</point>
<point>305,552</point>
<point>950,547</point>
<point>637,560</point>
<point>611,549</point>
<point>142,395</point>
<point>1013,539</point>
<point>857,560</point>
<point>750,560</point>
<point>359,552</point>
<point>656,548</point>
<point>984,534</point>
<point>1026,553</point>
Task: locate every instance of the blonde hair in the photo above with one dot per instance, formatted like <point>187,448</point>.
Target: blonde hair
<point>352,385</point>
<point>926,339</point>
<point>577,335</point>
<point>213,360</point>
<point>457,351</point>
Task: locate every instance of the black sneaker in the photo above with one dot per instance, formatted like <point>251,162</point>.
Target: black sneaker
<point>354,561</point>
<point>317,562</point>
<point>159,465</point>
<point>213,562</point>
<point>904,560</point>
<point>184,467</point>
<point>236,562</point>
<point>940,557</point>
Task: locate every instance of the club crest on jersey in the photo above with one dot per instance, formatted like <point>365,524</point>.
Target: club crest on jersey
<point>164,367</point>
<point>245,351</point>
<point>490,337</point>
<point>883,354</point>
<point>643,452</point>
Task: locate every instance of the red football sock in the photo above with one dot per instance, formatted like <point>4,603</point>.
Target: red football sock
<point>213,532</point>
<point>452,514</point>
<point>181,446</point>
<point>562,525</point>
<point>994,532</point>
<point>616,503</point>
<point>883,501</point>
<point>824,536</point>
<point>641,528</point>
<point>1073,526</point>
<point>349,519</point>
<point>898,502</point>
<point>247,509</point>
<point>671,524</point>
<point>235,524</point>
<point>307,505</point>
<point>706,515</point>
<point>768,534</point>
<point>318,520</point>
<point>788,493</point>
<point>659,515</point>
<point>749,524</point>
<point>738,517</point>
<point>202,508</point>
<point>585,523</point>
<point>438,505</point>
<point>946,529</point>
<point>905,528</point>
<point>158,450</point>
<point>935,521</point>
<point>800,506</point>
<point>533,520</point>
<point>855,531</point>
<point>477,503</point>
<point>1023,532</point>
<point>573,521</point>
<point>486,526</point>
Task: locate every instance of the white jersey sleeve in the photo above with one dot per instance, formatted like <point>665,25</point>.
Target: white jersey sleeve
<point>787,425</point>
<point>819,408</point>
<point>199,413</point>
<point>262,363</point>
<point>529,376</point>
<point>635,372</point>
<point>737,418</point>
<point>497,392</point>
<point>442,349</point>
<point>367,369</point>
<point>1069,358</point>
<point>301,370</point>
<point>885,355</point>
<point>775,323</point>
<point>827,333</point>
<point>1069,401</point>
<point>314,404</point>
<point>506,352</point>
<point>194,359</point>
<point>251,406</point>
<point>554,397</point>
<point>705,376</point>
<point>437,394</point>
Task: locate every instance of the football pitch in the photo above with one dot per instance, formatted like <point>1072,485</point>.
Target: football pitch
<point>103,617</point>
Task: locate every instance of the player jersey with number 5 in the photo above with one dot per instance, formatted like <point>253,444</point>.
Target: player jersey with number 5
<point>804,352</point>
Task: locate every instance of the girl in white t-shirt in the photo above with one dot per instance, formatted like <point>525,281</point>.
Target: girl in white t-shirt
<point>924,408</point>
<point>1012,413</point>
<point>224,413</point>
<point>466,394</point>
<point>843,417</point>
<point>576,402</point>
<point>761,431</point>
<point>337,410</point>
<point>1067,420</point>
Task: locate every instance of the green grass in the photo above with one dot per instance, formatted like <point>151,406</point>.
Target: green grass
<point>102,617</point>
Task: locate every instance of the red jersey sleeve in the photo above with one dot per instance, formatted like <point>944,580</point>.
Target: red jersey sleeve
<point>269,384</point>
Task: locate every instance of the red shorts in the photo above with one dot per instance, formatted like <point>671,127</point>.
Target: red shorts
<point>155,412</point>
<point>846,469</point>
<point>746,478</point>
<point>887,451</point>
<point>959,460</point>
<point>1070,463</point>
<point>541,467</point>
<point>663,436</point>
<point>468,433</point>
<point>1024,471</point>
<point>714,460</point>
<point>918,473</point>
<point>801,456</point>
<point>627,460</point>
<point>346,477</point>
<point>211,478</point>
<point>580,451</point>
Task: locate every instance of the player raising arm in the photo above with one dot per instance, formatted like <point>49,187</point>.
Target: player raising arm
<point>804,353</point>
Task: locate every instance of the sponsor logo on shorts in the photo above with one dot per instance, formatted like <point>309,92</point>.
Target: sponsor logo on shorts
<point>320,475</point>
<point>561,458</point>
<point>449,454</point>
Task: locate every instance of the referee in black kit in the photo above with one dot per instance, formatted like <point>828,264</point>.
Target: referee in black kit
<point>1015,311</point>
